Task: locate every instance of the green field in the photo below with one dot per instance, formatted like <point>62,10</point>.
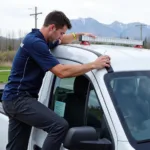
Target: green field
<point>4,68</point>
<point>4,74</point>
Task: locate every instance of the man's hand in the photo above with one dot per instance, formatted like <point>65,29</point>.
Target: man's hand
<point>102,62</point>
<point>59,41</point>
<point>69,38</point>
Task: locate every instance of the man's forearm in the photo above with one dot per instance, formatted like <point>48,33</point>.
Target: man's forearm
<point>76,70</point>
<point>69,38</point>
<point>64,71</point>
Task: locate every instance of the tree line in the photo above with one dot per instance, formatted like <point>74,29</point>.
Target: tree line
<point>9,42</point>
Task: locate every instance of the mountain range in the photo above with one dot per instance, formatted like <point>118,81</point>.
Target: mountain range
<point>115,29</point>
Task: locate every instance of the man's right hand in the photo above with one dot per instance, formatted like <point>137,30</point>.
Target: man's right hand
<point>102,62</point>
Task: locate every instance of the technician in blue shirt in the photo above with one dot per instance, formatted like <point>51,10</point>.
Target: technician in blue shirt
<point>33,59</point>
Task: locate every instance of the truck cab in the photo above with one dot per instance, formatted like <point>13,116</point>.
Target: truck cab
<point>107,109</point>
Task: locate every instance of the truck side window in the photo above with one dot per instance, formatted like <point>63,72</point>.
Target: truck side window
<point>62,88</point>
<point>94,111</point>
<point>69,99</point>
<point>95,115</point>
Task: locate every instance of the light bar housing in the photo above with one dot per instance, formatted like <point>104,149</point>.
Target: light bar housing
<point>110,40</point>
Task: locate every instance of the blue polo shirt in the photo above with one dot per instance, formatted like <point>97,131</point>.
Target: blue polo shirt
<point>32,60</point>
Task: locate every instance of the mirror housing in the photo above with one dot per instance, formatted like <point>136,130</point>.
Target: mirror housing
<point>85,138</point>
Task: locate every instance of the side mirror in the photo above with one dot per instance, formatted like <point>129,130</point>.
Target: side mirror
<point>85,138</point>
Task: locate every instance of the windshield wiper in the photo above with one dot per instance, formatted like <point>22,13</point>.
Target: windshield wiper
<point>143,141</point>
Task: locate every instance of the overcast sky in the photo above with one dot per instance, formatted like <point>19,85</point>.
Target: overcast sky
<point>15,14</point>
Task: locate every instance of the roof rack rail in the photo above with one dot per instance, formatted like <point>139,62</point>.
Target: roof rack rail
<point>109,40</point>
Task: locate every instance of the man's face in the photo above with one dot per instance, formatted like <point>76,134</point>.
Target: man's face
<point>55,34</point>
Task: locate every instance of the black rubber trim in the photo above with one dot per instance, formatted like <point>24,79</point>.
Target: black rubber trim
<point>35,147</point>
<point>110,69</point>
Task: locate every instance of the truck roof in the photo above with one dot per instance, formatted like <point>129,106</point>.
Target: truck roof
<point>122,58</point>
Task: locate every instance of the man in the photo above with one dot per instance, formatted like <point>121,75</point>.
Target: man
<point>32,60</point>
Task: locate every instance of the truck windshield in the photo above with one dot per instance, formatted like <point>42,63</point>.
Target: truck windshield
<point>130,93</point>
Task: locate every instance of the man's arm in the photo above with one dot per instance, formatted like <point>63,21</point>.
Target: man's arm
<point>69,38</point>
<point>64,71</point>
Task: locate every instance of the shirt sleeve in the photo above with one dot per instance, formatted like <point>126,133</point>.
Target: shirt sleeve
<point>43,56</point>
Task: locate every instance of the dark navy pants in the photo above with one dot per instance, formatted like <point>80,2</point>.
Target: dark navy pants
<point>25,112</point>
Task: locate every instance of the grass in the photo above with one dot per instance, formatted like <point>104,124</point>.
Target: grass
<point>4,74</point>
<point>5,67</point>
<point>6,64</point>
<point>6,58</point>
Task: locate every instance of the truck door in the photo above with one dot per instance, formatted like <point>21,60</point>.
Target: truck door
<point>3,126</point>
<point>75,99</point>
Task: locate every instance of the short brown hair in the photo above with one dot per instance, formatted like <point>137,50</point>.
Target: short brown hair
<point>58,18</point>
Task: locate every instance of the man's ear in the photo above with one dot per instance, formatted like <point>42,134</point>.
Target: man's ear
<point>52,27</point>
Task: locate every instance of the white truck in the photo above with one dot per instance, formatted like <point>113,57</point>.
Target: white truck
<point>106,109</point>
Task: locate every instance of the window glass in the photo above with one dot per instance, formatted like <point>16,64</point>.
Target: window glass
<point>131,96</point>
<point>62,88</point>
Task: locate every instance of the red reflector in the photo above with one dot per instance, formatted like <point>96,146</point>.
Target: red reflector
<point>138,46</point>
<point>85,43</point>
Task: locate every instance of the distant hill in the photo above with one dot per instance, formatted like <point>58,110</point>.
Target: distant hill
<point>115,29</point>
<point>131,30</point>
<point>93,26</point>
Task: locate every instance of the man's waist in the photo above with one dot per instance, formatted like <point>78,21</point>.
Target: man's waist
<point>14,95</point>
